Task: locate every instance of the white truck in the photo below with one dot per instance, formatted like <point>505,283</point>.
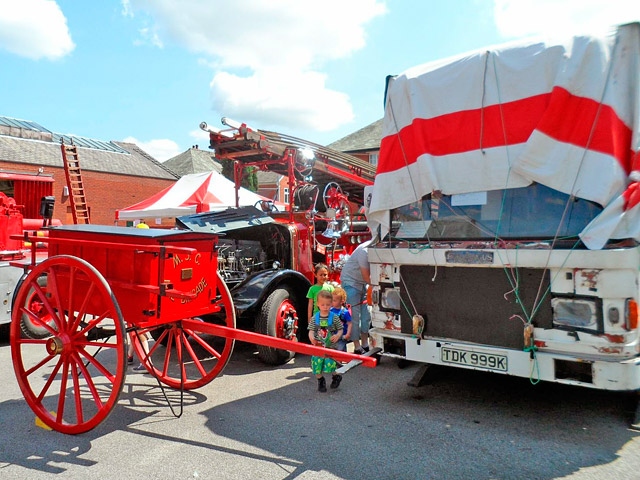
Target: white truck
<point>506,207</point>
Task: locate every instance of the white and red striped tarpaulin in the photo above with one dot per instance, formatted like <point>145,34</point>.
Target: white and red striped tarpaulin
<point>563,115</point>
<point>194,193</point>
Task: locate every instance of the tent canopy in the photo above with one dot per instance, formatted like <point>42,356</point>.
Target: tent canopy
<point>194,193</point>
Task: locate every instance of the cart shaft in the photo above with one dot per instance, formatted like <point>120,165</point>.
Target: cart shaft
<point>266,340</point>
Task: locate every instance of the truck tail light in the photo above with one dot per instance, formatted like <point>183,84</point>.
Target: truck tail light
<point>631,317</point>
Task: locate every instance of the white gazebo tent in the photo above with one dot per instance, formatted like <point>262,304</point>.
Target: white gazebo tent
<point>194,193</point>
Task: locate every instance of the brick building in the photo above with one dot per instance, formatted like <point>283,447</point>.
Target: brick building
<point>363,144</point>
<point>115,174</point>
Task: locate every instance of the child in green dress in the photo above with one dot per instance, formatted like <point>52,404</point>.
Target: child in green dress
<point>325,330</point>
<point>321,272</point>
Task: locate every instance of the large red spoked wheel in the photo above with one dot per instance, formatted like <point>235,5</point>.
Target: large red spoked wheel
<point>73,378</point>
<point>184,355</point>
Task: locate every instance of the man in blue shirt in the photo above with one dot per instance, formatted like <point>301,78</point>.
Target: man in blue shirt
<point>355,278</point>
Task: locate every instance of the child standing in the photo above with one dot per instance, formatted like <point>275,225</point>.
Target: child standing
<point>325,329</point>
<point>339,308</point>
<point>321,272</point>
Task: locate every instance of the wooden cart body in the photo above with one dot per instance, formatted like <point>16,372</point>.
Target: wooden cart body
<point>157,276</point>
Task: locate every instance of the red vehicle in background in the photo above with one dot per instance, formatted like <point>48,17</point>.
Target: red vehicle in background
<point>23,197</point>
<point>266,254</point>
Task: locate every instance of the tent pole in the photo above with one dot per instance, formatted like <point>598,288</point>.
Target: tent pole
<point>237,178</point>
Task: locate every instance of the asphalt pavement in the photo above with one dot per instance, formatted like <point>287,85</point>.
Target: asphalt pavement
<point>261,422</point>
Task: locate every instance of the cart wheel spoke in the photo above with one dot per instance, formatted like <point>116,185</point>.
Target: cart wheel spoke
<point>192,354</point>
<point>87,326</point>
<point>77,394</point>
<point>78,373</point>
<point>40,295</point>
<point>206,346</point>
<point>62,395</point>
<point>49,382</point>
<point>191,357</point>
<point>38,321</point>
<point>90,383</point>
<point>98,365</point>
<point>52,305</point>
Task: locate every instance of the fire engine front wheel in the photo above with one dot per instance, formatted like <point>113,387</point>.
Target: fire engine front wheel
<point>278,318</point>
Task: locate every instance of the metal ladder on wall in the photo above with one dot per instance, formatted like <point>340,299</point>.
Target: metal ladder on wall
<point>72,171</point>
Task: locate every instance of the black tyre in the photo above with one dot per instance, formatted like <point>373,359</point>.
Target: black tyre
<point>278,318</point>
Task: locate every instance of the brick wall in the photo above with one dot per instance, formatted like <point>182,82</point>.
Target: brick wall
<point>105,192</point>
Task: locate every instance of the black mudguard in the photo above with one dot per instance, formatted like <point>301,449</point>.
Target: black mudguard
<point>249,295</point>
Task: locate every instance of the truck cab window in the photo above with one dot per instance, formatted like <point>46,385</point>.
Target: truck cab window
<point>532,212</point>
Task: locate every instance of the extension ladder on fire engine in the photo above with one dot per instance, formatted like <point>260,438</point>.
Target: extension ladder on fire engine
<point>72,171</point>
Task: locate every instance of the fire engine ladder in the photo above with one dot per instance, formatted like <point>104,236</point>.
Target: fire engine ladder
<point>331,165</point>
<point>72,171</point>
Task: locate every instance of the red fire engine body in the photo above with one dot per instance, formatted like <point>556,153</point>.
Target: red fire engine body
<point>266,255</point>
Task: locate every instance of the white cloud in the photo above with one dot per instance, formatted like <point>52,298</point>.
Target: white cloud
<point>268,56</point>
<point>34,29</point>
<point>148,36</point>
<point>554,18</point>
<point>200,135</point>
<point>298,98</point>
<point>160,149</point>
<point>126,9</point>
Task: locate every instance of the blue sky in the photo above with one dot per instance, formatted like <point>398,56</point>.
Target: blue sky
<point>149,71</point>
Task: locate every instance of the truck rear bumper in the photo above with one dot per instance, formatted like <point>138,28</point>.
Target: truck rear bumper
<point>597,373</point>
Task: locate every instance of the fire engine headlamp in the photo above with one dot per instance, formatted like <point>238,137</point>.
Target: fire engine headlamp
<point>307,154</point>
<point>575,313</point>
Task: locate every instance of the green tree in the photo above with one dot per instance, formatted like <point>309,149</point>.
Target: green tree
<point>249,175</point>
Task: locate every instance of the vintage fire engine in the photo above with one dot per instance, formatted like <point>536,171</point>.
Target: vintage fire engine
<point>266,257</point>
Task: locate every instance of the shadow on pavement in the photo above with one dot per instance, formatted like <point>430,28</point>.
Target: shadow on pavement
<point>466,425</point>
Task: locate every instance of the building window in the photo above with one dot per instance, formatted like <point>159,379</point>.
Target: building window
<point>373,158</point>
<point>6,187</point>
<point>286,194</point>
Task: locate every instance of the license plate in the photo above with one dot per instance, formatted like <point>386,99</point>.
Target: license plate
<point>474,359</point>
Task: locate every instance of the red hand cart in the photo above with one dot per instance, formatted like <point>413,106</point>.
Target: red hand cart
<point>100,288</point>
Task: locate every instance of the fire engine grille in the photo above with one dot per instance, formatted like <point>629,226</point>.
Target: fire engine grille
<point>473,304</point>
